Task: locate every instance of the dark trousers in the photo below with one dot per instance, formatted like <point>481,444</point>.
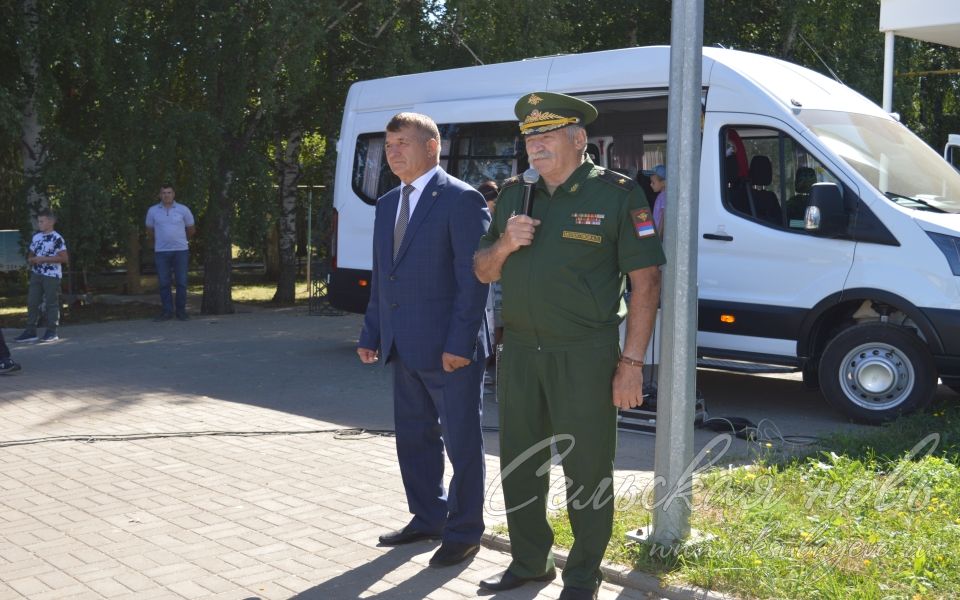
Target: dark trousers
<point>4,350</point>
<point>44,290</point>
<point>172,263</point>
<point>433,411</point>
<point>566,394</point>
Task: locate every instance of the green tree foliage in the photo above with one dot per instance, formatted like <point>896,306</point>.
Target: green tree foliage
<point>133,93</point>
<point>13,214</point>
<point>927,90</point>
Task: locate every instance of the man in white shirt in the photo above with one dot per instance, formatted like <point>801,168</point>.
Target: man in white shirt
<point>171,224</point>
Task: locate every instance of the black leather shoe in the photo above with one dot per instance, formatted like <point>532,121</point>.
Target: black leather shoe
<point>406,536</point>
<point>453,553</point>
<point>575,593</point>
<point>508,581</point>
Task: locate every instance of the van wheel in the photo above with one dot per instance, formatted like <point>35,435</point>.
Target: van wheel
<point>875,372</point>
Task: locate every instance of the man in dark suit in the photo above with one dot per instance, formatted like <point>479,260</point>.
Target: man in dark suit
<point>425,316</point>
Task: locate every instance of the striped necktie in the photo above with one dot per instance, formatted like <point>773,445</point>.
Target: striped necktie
<point>402,219</point>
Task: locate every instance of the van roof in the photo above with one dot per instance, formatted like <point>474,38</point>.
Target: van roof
<point>726,73</point>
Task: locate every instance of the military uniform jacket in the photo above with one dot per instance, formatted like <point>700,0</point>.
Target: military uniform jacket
<point>566,289</point>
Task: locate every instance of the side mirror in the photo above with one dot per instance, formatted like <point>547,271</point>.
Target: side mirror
<point>826,214</point>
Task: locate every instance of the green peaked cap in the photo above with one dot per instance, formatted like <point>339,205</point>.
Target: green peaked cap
<point>540,112</point>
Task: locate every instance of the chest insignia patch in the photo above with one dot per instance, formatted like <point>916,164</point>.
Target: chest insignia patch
<point>583,237</point>
<point>642,223</point>
<point>588,218</point>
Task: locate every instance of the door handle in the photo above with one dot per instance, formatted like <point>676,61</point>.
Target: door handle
<point>716,236</point>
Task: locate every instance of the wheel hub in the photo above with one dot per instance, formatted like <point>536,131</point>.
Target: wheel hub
<point>876,376</point>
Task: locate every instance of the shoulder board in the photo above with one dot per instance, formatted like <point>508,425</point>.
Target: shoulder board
<point>510,181</point>
<point>616,179</point>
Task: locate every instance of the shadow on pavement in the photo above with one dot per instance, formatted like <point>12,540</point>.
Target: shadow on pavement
<point>353,583</point>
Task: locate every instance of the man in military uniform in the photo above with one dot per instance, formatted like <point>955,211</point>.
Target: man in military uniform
<point>562,372</point>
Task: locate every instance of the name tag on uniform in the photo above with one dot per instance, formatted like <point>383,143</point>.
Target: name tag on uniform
<point>583,237</point>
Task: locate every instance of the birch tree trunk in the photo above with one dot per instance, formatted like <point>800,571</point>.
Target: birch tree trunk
<point>288,170</point>
<point>30,146</point>
<point>790,36</point>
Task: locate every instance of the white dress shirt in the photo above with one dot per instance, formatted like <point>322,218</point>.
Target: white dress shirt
<point>418,185</point>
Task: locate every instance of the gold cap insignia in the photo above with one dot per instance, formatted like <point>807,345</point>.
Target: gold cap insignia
<point>541,121</point>
<point>540,112</point>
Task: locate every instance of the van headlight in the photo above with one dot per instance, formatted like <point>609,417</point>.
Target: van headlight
<point>950,246</point>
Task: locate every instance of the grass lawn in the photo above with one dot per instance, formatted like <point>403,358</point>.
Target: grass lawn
<point>864,518</point>
<point>248,288</point>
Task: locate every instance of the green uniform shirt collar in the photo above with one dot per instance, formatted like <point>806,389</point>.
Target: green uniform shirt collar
<point>574,183</point>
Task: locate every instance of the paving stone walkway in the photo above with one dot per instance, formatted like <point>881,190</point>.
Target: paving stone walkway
<point>134,507</point>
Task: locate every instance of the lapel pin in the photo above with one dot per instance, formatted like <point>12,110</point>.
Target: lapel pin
<point>434,194</point>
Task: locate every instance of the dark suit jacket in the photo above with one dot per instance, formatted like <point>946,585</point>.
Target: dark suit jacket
<point>429,301</point>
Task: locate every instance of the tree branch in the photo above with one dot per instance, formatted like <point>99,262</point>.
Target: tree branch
<point>387,22</point>
<point>344,15</point>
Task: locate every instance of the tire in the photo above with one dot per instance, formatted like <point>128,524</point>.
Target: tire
<point>875,372</point>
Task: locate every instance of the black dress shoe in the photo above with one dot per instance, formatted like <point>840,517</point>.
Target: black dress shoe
<point>406,536</point>
<point>453,553</point>
<point>575,593</point>
<point>508,581</point>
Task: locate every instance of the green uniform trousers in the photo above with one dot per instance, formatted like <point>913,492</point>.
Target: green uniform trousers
<point>566,394</point>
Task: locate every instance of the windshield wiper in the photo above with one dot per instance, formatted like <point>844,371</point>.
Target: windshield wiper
<point>914,203</point>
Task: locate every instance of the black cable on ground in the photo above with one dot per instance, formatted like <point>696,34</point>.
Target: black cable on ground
<point>764,432</point>
<point>340,434</point>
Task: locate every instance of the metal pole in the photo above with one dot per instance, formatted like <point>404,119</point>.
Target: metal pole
<point>888,71</point>
<point>677,384</point>
<point>309,241</point>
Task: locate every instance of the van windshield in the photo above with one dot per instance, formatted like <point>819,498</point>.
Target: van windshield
<point>894,160</point>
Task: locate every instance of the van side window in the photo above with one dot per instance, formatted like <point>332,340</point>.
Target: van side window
<point>372,176</point>
<point>775,188</point>
<point>473,152</point>
<point>482,151</point>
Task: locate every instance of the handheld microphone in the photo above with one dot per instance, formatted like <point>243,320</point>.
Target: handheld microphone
<point>530,178</point>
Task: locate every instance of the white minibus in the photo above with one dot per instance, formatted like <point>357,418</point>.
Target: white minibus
<point>829,234</point>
